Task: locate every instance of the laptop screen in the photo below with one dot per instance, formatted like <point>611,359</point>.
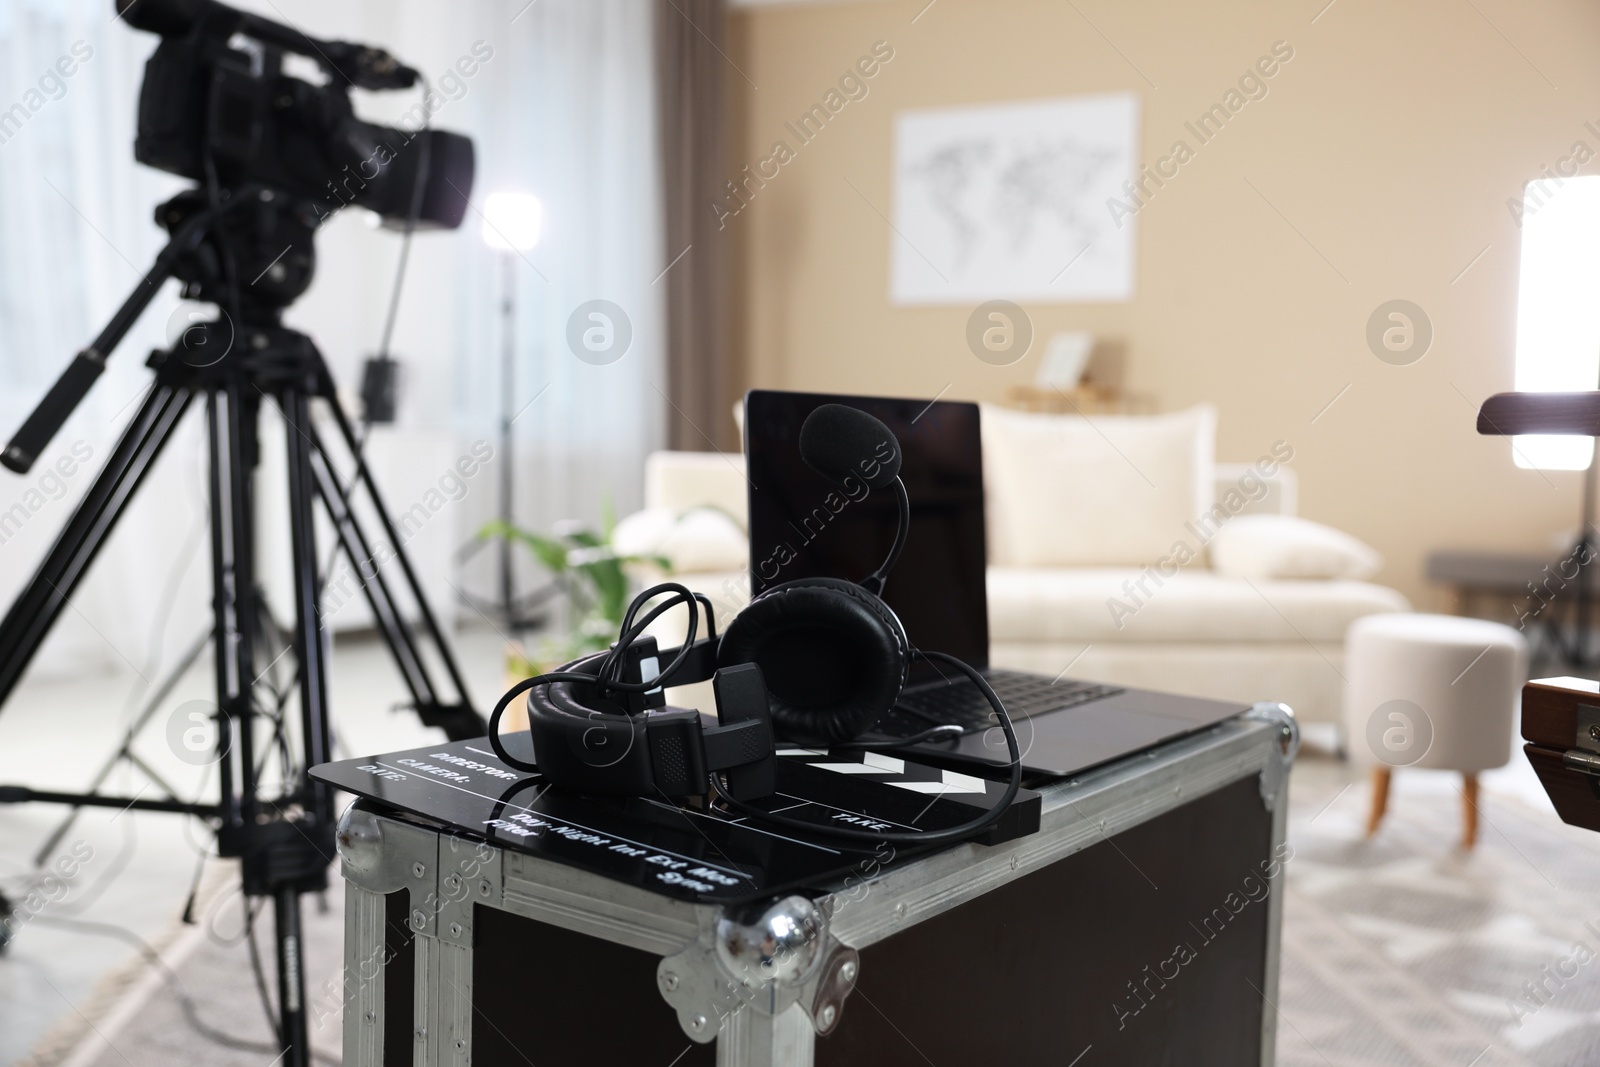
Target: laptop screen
<point>804,526</point>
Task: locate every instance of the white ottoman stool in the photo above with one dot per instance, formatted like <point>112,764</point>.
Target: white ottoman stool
<point>1435,691</point>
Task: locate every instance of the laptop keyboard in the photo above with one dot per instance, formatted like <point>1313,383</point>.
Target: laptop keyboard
<point>963,704</point>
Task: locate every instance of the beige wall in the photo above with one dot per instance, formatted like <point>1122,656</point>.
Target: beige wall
<point>1391,142</point>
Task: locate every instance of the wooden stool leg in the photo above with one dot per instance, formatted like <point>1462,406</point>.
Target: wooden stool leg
<point>1380,798</point>
<point>1469,821</point>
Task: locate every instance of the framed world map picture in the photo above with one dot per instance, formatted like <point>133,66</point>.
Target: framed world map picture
<point>1019,201</point>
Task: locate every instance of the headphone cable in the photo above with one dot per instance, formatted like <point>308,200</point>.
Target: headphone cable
<point>947,732</point>
<point>511,694</point>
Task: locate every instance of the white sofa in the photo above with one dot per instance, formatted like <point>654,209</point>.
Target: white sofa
<point>1200,631</point>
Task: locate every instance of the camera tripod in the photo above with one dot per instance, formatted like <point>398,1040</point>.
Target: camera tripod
<point>233,365</point>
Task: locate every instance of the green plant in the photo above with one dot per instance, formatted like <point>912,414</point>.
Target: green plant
<point>592,576</point>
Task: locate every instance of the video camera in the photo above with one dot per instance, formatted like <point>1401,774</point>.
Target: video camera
<point>217,106</point>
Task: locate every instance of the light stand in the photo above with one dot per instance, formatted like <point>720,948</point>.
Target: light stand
<point>1577,652</point>
<point>508,379</point>
<point>511,226</point>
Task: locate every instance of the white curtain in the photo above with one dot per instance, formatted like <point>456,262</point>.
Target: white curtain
<point>76,235</point>
<point>563,108</point>
<point>566,111</point>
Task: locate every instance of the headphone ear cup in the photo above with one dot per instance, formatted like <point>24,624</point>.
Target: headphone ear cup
<point>834,657</point>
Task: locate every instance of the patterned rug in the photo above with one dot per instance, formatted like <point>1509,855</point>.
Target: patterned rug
<point>1405,950</point>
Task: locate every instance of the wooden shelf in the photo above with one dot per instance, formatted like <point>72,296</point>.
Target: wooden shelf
<point>1085,399</point>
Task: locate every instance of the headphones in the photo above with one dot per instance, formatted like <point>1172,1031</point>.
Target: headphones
<point>814,661</point>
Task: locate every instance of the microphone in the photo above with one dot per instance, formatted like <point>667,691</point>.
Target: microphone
<point>839,442</point>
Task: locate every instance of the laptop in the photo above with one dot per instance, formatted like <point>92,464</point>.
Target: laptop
<point>801,527</point>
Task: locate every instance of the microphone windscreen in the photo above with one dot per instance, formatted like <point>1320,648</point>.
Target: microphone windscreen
<point>840,442</point>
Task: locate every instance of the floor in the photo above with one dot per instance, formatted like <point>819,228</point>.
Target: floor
<point>1399,950</point>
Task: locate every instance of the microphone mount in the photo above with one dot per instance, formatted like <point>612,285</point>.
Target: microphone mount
<point>874,582</point>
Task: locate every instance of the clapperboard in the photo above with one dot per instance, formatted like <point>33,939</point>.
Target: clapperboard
<point>688,851</point>
<point>900,794</point>
<point>891,770</point>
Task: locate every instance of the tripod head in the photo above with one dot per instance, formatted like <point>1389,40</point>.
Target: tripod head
<point>269,239</point>
<point>251,262</point>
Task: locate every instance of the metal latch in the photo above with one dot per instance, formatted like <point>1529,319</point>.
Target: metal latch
<point>1588,732</point>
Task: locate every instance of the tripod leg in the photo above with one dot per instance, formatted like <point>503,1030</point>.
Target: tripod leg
<point>292,1029</point>
<point>429,622</point>
<point>275,644</point>
<point>231,419</point>
<point>284,843</point>
<point>308,638</point>
<point>296,862</point>
<point>35,610</point>
<point>396,633</point>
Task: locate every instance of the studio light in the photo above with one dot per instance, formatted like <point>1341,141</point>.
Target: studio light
<point>1558,315</point>
<point>512,221</point>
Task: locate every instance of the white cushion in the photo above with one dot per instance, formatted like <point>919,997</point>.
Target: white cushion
<point>1283,546</point>
<point>683,480</point>
<point>1092,604</point>
<point>700,539</point>
<point>1265,486</point>
<point>1069,490</point>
